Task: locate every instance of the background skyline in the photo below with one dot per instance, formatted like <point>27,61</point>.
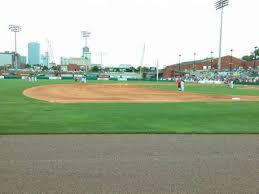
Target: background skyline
<point>121,27</point>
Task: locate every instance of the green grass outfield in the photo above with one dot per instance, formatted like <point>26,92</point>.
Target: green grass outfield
<point>22,115</point>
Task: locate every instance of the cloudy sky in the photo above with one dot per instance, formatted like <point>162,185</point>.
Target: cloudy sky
<point>121,27</point>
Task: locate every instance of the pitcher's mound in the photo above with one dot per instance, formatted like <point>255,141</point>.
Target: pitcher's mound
<point>77,93</point>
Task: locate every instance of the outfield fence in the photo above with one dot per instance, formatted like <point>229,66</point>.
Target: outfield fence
<point>72,78</point>
<point>119,79</point>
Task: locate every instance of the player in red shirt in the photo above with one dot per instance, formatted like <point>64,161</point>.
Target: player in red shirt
<point>179,84</point>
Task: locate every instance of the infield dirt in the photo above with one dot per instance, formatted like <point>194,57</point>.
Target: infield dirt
<point>78,93</point>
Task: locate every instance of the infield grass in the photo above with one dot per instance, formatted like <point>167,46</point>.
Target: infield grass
<point>23,115</point>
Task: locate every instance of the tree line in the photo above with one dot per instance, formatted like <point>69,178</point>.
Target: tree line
<point>252,56</point>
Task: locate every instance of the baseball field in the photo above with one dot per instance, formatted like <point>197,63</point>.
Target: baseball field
<point>61,107</point>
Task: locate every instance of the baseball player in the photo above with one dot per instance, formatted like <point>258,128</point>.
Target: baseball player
<point>231,83</point>
<point>179,84</point>
<point>182,84</point>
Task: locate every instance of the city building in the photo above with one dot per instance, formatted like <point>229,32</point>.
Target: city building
<point>45,59</point>
<point>125,66</point>
<point>82,63</point>
<point>63,68</point>
<point>23,60</point>
<point>33,53</point>
<point>8,59</point>
<point>64,61</point>
<point>79,61</point>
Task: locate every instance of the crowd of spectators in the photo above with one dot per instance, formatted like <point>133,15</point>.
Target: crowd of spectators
<point>238,76</point>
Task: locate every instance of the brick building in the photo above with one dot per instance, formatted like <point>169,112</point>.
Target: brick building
<point>73,67</point>
<point>208,64</point>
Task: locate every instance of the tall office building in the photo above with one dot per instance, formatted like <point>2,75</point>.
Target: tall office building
<point>33,53</point>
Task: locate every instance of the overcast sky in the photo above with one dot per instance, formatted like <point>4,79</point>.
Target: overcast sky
<point>121,27</point>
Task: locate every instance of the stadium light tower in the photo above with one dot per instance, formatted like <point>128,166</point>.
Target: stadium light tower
<point>86,35</point>
<point>220,4</point>
<point>15,29</point>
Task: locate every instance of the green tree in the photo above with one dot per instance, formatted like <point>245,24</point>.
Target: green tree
<point>95,69</point>
<point>54,68</point>
<point>251,57</point>
<point>143,69</point>
<point>45,68</point>
<point>132,69</point>
<point>27,66</point>
<point>257,53</point>
<point>248,57</point>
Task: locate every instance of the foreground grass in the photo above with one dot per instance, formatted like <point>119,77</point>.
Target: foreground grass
<point>22,115</point>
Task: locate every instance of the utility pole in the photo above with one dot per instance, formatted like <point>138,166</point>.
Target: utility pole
<point>231,61</point>
<point>211,53</point>
<point>157,71</point>
<point>179,67</point>
<point>101,57</point>
<point>142,59</point>
<point>194,55</point>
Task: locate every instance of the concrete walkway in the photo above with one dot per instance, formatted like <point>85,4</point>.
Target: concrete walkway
<point>129,163</point>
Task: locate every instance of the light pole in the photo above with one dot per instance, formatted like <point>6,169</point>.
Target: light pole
<point>179,68</point>
<point>15,29</point>
<point>220,5</point>
<point>255,58</point>
<point>194,55</point>
<point>101,59</point>
<point>211,53</point>
<point>231,61</point>
<point>86,35</point>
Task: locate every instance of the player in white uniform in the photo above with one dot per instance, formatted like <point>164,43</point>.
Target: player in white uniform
<point>182,85</point>
<point>231,83</point>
